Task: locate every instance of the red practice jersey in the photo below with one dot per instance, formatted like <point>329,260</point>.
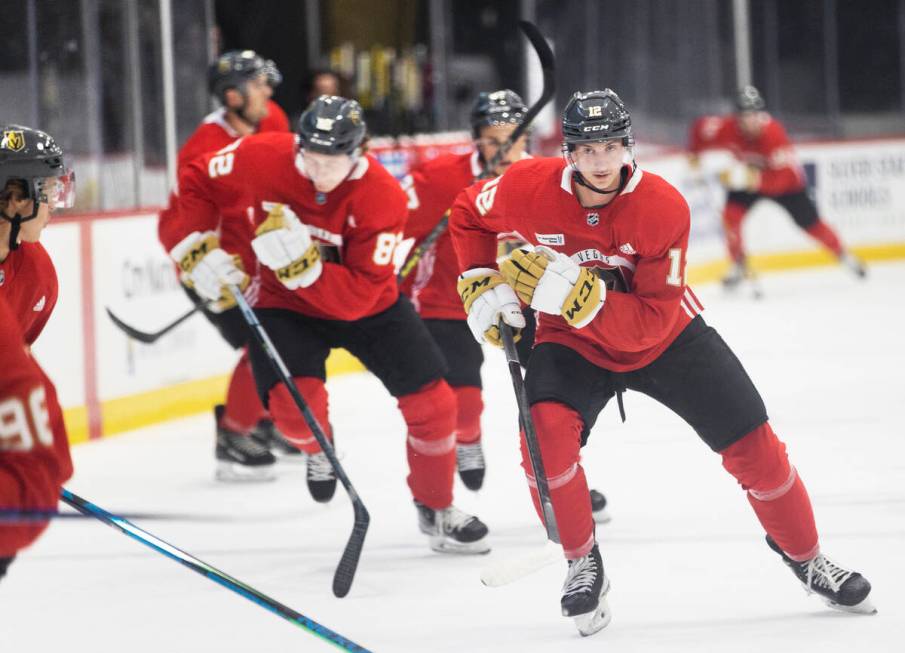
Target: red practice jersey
<point>34,451</point>
<point>214,134</point>
<point>771,152</point>
<point>28,282</point>
<point>641,236</point>
<point>432,188</point>
<point>359,224</point>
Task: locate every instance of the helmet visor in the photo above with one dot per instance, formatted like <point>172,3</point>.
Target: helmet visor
<point>57,192</point>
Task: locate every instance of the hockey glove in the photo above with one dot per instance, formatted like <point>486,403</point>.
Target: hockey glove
<point>208,269</point>
<point>284,245</point>
<point>487,299</point>
<point>562,288</point>
<point>740,177</point>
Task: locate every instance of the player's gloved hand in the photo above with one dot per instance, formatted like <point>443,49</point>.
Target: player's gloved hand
<point>553,283</point>
<point>487,299</point>
<point>284,245</point>
<point>740,177</point>
<point>208,269</point>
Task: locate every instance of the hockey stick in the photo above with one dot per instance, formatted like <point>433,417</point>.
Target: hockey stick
<point>153,336</point>
<point>514,569</point>
<point>91,510</point>
<point>545,56</point>
<point>345,571</point>
<point>31,516</point>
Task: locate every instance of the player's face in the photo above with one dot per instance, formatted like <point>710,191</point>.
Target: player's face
<point>257,92</point>
<point>751,123</point>
<point>600,163</point>
<point>492,138</point>
<point>327,171</point>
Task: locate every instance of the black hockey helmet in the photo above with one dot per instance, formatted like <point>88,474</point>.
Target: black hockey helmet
<point>332,125</point>
<point>33,157</point>
<point>232,69</point>
<point>596,116</point>
<point>503,107</point>
<point>749,99</point>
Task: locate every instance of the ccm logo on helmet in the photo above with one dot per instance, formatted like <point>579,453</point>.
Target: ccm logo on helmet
<point>595,128</point>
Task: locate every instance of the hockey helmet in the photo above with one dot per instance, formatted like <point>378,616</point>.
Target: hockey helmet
<point>596,116</point>
<point>749,99</point>
<point>232,69</point>
<point>332,125</point>
<point>502,107</point>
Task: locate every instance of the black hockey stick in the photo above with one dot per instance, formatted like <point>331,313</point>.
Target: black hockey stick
<point>153,336</point>
<point>199,566</point>
<point>545,56</point>
<point>345,571</point>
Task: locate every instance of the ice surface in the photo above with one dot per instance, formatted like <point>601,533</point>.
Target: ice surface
<point>689,567</point>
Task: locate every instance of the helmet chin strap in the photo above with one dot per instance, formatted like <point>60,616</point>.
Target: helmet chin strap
<point>15,223</point>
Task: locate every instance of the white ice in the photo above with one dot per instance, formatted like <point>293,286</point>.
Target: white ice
<point>689,567</point>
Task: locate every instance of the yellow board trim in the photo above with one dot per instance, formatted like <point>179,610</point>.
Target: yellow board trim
<point>146,408</point>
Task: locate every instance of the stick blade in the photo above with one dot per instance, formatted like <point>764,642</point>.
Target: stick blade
<point>133,333</point>
<point>512,569</point>
<point>348,564</point>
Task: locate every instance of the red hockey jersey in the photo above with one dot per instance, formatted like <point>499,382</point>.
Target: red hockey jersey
<point>213,134</point>
<point>28,282</point>
<point>432,188</point>
<point>641,236</point>
<point>359,223</point>
<point>771,152</point>
<point>34,451</point>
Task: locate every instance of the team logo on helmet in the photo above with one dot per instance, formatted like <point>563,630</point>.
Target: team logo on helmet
<point>13,140</point>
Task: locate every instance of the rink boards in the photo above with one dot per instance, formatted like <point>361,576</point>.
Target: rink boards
<point>109,383</point>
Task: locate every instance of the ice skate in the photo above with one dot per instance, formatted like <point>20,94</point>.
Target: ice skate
<point>854,264</point>
<point>267,435</point>
<point>584,594</point>
<point>240,457</point>
<point>452,531</point>
<point>598,507</point>
<point>838,587</point>
<point>321,477</point>
<point>470,463</point>
<point>740,276</point>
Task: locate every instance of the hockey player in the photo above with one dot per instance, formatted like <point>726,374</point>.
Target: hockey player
<point>767,169</point>
<point>327,220</point>
<point>431,190</point>
<point>34,451</point>
<point>243,83</point>
<point>606,275</point>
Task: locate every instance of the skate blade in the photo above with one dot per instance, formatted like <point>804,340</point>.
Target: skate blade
<point>446,545</point>
<point>602,516</point>
<point>594,622</point>
<point>865,607</point>
<point>228,472</point>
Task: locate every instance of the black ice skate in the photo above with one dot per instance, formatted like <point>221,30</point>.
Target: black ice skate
<point>584,594</point>
<point>470,463</point>
<point>838,587</point>
<point>854,264</point>
<point>267,435</point>
<point>598,507</point>
<point>240,457</point>
<point>321,477</point>
<point>452,531</point>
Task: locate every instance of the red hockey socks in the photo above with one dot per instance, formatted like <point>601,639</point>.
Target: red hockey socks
<point>558,430</point>
<point>733,214</point>
<point>778,496</point>
<point>469,406</point>
<point>288,418</point>
<point>430,414</point>
<point>822,232</point>
<point>243,406</point>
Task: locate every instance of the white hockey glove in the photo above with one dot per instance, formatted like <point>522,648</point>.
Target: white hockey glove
<point>284,245</point>
<point>487,298</point>
<point>553,283</point>
<point>740,177</point>
<point>208,269</point>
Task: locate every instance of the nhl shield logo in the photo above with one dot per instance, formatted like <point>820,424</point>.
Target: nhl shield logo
<point>13,140</point>
<point>593,219</point>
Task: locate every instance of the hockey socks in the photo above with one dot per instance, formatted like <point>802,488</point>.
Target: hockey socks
<point>243,406</point>
<point>430,414</point>
<point>289,420</point>
<point>823,233</point>
<point>733,214</point>
<point>760,464</point>
<point>469,406</point>
<point>558,430</point>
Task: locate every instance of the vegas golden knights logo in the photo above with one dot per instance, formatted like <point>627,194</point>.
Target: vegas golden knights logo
<point>13,139</point>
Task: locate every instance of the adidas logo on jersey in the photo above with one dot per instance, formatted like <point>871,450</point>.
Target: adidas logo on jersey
<point>627,249</point>
<point>40,305</point>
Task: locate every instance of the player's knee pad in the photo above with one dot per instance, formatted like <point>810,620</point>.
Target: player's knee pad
<point>760,464</point>
<point>469,406</point>
<point>430,414</point>
<point>558,429</point>
<point>289,419</point>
